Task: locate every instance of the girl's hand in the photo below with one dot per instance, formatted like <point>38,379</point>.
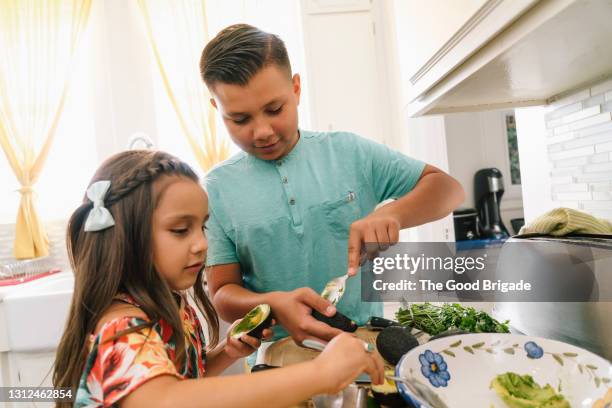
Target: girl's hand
<point>245,345</point>
<point>344,359</point>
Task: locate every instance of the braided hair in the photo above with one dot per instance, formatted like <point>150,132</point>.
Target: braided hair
<point>120,260</point>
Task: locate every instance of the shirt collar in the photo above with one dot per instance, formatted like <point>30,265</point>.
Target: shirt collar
<point>293,152</point>
<point>288,157</point>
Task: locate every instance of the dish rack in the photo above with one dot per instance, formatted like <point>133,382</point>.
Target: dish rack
<point>27,270</point>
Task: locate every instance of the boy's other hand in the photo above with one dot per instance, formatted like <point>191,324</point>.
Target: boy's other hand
<point>381,229</point>
<point>293,311</point>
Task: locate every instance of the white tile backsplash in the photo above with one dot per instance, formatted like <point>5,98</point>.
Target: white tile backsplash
<point>598,205</point>
<point>589,140</point>
<point>563,137</point>
<point>559,130</point>
<point>592,168</point>
<point>566,171</point>
<point>573,162</point>
<point>562,180</point>
<point>594,100</point>
<point>572,196</point>
<point>601,186</point>
<point>570,188</point>
<point>579,138</point>
<point>600,196</point>
<point>585,113</point>
<point>565,110</point>
<point>603,147</point>
<point>566,154</point>
<point>594,130</point>
<point>593,177</point>
<point>590,121</point>
<point>600,158</point>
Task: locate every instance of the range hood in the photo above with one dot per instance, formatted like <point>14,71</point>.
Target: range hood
<point>552,49</point>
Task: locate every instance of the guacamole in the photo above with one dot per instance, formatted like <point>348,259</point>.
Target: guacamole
<point>521,391</point>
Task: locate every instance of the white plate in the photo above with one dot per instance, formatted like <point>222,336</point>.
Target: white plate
<point>466,365</point>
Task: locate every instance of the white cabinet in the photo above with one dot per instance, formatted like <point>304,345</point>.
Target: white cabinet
<point>346,71</point>
<point>31,369</point>
<point>26,370</point>
<point>352,78</point>
<point>32,318</point>
<point>500,53</point>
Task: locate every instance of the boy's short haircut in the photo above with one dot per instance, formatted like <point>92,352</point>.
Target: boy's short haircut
<point>238,52</point>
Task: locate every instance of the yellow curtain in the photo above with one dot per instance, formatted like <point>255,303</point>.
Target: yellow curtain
<point>38,39</point>
<point>177,31</point>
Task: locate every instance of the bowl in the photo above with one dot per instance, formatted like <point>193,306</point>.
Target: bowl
<point>457,371</point>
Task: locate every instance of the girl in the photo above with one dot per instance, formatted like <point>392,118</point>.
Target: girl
<point>136,245</point>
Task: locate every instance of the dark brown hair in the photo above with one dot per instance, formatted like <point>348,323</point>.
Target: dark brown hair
<point>120,260</point>
<point>238,52</point>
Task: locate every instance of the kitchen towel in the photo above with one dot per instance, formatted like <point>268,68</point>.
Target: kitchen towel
<point>563,221</point>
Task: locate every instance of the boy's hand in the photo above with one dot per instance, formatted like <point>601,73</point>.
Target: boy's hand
<point>293,311</point>
<point>245,345</point>
<point>381,229</point>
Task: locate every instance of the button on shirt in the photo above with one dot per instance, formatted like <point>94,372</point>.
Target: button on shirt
<point>287,221</point>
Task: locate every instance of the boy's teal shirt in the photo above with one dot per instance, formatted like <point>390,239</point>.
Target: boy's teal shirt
<point>287,221</point>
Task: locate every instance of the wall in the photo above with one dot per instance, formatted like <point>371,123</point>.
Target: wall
<point>477,140</point>
<point>579,140</point>
<point>535,170</point>
<point>572,138</point>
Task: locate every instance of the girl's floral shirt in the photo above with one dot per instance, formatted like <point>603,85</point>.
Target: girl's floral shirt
<point>117,366</point>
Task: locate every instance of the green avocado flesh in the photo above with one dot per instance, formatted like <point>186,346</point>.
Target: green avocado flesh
<point>252,319</point>
<point>388,386</point>
<point>521,391</point>
<point>386,394</point>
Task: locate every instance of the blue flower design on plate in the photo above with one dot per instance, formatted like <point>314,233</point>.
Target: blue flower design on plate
<point>434,368</point>
<point>533,350</point>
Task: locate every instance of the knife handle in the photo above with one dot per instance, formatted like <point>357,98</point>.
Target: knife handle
<point>380,323</point>
<point>262,367</point>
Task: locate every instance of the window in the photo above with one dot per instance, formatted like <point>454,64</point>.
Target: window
<point>513,153</point>
<point>72,158</point>
<point>262,14</point>
<point>116,92</point>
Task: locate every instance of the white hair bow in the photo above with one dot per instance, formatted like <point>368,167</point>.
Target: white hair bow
<point>99,217</point>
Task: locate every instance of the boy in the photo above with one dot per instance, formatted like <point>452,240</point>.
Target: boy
<point>285,211</point>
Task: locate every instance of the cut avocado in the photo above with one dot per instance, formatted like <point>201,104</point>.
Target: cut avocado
<point>338,321</point>
<point>254,323</point>
<point>386,394</point>
<point>521,391</point>
<point>395,341</point>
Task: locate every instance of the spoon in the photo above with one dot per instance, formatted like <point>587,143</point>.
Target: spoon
<point>420,390</point>
<point>334,289</point>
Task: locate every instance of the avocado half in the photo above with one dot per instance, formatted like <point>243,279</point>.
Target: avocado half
<point>395,341</point>
<point>254,322</point>
<point>338,321</point>
<point>387,394</point>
